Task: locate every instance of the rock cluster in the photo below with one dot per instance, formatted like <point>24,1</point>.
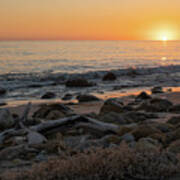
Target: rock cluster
<point>55,130</point>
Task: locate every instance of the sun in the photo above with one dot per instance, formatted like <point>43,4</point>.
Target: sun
<point>163,32</point>
<point>164,38</point>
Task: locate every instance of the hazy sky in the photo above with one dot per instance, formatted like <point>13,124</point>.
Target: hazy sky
<point>89,19</point>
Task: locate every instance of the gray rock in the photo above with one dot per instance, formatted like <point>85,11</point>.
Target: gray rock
<point>112,105</point>
<point>157,90</point>
<point>67,97</point>
<point>87,98</point>
<point>128,138</point>
<point>109,77</point>
<point>142,96</point>
<point>35,138</point>
<point>79,82</point>
<point>48,95</point>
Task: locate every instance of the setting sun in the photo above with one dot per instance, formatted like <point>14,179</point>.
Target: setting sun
<point>164,38</point>
<point>166,31</point>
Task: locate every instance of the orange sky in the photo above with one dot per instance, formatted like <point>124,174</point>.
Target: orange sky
<point>89,19</point>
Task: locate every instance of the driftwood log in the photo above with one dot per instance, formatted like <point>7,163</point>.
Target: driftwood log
<point>74,121</point>
<point>35,134</point>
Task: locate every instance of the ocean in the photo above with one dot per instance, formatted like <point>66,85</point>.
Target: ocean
<point>85,56</point>
<point>30,68</point>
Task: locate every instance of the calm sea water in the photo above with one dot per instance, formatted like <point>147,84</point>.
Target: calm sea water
<point>84,56</point>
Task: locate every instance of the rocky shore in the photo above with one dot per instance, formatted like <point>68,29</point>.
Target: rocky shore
<point>146,125</point>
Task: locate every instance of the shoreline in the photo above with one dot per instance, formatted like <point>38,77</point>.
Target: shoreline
<point>34,86</point>
<point>18,106</point>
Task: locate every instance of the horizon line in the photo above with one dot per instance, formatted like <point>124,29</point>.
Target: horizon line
<point>1,40</point>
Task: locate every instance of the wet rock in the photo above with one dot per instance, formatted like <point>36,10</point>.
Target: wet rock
<point>67,97</point>
<point>48,95</point>
<point>109,77</point>
<point>54,111</point>
<point>87,98</point>
<point>174,120</point>
<point>157,90</point>
<point>6,119</point>
<point>156,105</point>
<point>144,131</point>
<point>3,103</point>
<point>132,72</point>
<point>79,82</point>
<point>175,109</point>
<point>112,105</point>
<point>142,96</point>
<point>2,91</point>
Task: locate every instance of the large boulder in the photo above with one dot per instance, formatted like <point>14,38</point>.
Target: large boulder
<point>156,105</point>
<point>6,119</point>
<point>87,98</point>
<point>109,77</point>
<point>112,105</point>
<point>79,82</point>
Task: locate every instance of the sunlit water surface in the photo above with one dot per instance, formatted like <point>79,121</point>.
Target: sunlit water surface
<point>84,56</point>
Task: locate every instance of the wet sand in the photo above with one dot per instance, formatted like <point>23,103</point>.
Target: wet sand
<point>17,107</point>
